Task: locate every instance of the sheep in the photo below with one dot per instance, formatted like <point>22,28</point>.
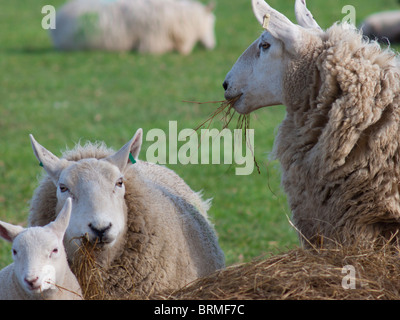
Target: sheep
<point>383,26</point>
<point>150,230</point>
<point>338,144</point>
<point>40,269</point>
<point>147,26</point>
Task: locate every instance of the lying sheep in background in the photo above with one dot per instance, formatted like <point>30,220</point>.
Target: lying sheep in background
<point>148,26</point>
<point>40,269</point>
<point>150,230</point>
<point>382,26</point>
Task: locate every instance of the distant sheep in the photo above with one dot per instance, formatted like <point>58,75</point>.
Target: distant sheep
<point>383,26</point>
<point>339,144</point>
<point>148,26</point>
<point>150,230</point>
<point>40,269</point>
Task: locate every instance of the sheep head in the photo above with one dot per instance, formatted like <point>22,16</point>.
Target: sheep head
<point>38,252</point>
<point>257,77</point>
<point>97,189</point>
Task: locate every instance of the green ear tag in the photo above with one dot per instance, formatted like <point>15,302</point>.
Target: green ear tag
<point>132,158</point>
<point>41,164</point>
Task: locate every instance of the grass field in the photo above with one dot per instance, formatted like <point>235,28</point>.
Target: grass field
<point>62,98</point>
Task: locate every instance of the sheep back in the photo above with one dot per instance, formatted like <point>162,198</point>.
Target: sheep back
<point>151,26</point>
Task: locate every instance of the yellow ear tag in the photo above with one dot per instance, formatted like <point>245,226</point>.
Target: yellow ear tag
<point>266,21</point>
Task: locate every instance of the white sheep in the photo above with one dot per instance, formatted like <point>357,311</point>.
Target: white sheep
<point>383,26</point>
<point>40,269</point>
<point>150,229</point>
<point>151,26</point>
<point>339,142</point>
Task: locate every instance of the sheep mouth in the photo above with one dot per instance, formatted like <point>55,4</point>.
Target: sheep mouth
<point>99,242</point>
<point>95,242</point>
<point>231,100</point>
<point>35,289</point>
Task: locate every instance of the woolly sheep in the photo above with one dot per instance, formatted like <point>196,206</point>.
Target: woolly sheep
<point>383,26</point>
<point>40,269</point>
<point>339,142</point>
<point>151,229</point>
<point>152,26</point>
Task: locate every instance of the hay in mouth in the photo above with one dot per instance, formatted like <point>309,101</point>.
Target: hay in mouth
<point>227,110</point>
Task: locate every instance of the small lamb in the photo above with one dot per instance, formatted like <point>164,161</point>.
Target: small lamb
<point>40,269</point>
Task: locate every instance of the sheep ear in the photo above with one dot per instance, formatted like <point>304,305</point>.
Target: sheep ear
<point>211,6</point>
<point>304,17</point>
<point>9,231</point>
<point>61,223</point>
<point>278,25</point>
<point>122,157</point>
<point>49,161</point>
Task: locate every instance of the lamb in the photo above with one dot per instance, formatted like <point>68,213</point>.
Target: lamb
<point>40,269</point>
<point>383,26</point>
<point>339,143</point>
<point>150,230</point>
<point>147,26</point>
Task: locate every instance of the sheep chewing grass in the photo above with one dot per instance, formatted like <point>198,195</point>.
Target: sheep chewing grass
<point>339,143</point>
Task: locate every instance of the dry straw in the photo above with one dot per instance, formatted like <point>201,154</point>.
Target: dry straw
<point>88,272</point>
<point>94,279</point>
<point>227,112</point>
<point>301,274</point>
<point>298,274</point>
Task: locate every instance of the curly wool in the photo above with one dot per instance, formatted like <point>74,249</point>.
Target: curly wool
<point>339,143</point>
<point>169,241</point>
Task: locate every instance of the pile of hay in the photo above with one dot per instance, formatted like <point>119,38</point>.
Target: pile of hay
<point>95,280</point>
<point>313,273</point>
<point>304,274</point>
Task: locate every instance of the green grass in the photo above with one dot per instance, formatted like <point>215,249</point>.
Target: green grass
<point>65,97</point>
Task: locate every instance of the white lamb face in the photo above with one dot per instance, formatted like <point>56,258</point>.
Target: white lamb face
<point>38,252</point>
<point>97,191</point>
<point>257,76</point>
<point>35,256</point>
<point>99,211</point>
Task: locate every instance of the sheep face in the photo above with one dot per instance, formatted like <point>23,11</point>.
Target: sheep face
<point>96,187</point>
<point>39,255</point>
<point>35,254</point>
<point>99,211</point>
<point>257,76</point>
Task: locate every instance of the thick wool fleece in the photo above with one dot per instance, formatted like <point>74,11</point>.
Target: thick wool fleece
<point>168,243</point>
<point>339,143</point>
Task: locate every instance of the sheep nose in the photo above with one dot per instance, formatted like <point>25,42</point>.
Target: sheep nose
<point>31,281</point>
<point>225,85</point>
<point>100,233</point>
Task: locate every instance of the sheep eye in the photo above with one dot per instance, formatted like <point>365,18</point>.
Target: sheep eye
<point>54,251</point>
<point>63,188</point>
<point>14,252</point>
<point>120,183</point>
<point>264,45</point>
